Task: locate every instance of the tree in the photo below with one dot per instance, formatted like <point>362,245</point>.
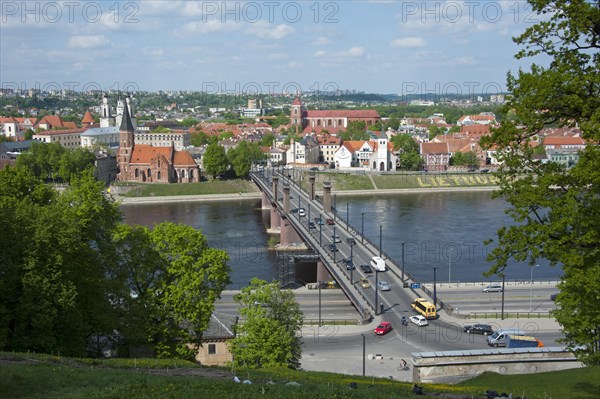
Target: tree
<point>242,156</point>
<point>54,162</point>
<point>174,278</point>
<point>269,335</point>
<point>199,139</point>
<point>468,159</point>
<point>267,140</point>
<point>189,121</point>
<point>281,119</point>
<point>410,159</point>
<point>555,209</point>
<point>215,160</point>
<point>356,130</point>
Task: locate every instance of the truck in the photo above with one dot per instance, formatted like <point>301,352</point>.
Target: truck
<point>378,264</point>
<point>522,341</point>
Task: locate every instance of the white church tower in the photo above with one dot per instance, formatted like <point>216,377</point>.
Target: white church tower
<point>106,119</point>
<point>120,107</point>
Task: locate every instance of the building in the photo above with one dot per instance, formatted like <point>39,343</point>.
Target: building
<point>328,147</point>
<point>70,138</point>
<point>146,163</point>
<point>215,340</point>
<point>375,155</point>
<point>304,151</point>
<point>103,136</point>
<point>331,120</point>
<point>436,156</point>
<point>179,138</point>
<point>10,150</point>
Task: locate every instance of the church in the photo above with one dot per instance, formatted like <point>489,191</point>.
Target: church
<point>143,163</point>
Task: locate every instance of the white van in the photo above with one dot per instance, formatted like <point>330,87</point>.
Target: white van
<point>498,337</point>
<point>378,264</point>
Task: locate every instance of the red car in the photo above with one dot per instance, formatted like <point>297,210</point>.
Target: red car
<point>330,221</point>
<point>383,328</point>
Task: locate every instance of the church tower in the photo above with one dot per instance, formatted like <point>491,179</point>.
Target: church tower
<point>126,143</point>
<point>382,150</point>
<point>106,120</point>
<point>297,113</point>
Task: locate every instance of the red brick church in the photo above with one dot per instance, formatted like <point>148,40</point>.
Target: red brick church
<point>145,163</point>
<point>330,120</point>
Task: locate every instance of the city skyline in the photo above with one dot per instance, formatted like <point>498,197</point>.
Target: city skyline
<point>271,47</point>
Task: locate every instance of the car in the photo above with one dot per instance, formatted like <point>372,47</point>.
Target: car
<point>333,248</point>
<point>349,264</point>
<point>350,241</point>
<point>364,282</point>
<point>319,221</point>
<point>366,268</point>
<point>384,285</point>
<point>383,328</point>
<point>553,297</point>
<point>302,212</point>
<point>312,225</point>
<point>484,329</point>
<point>419,321</point>
<point>485,170</point>
<point>314,168</point>
<point>330,221</point>
<point>492,288</point>
<point>336,239</point>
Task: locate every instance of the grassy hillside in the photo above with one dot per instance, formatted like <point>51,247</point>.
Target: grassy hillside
<point>40,376</point>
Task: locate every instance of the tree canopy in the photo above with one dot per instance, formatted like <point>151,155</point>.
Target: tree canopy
<point>215,160</point>
<point>242,156</point>
<point>555,208</point>
<point>269,335</point>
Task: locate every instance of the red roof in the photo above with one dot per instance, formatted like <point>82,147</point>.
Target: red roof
<point>434,148</point>
<point>87,118</point>
<point>343,113</point>
<point>563,140</point>
<point>144,153</point>
<point>297,101</point>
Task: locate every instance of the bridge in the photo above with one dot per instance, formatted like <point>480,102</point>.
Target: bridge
<point>298,215</point>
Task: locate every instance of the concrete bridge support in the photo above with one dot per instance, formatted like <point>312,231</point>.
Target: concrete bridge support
<point>275,191</point>
<point>265,202</point>
<point>275,220</point>
<point>288,232</point>
<point>286,197</point>
<point>327,196</point>
<point>311,182</point>
<point>322,272</point>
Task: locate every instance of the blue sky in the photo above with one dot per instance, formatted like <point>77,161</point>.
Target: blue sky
<point>270,46</point>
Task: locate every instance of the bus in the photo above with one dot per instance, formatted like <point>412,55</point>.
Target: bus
<point>427,309</point>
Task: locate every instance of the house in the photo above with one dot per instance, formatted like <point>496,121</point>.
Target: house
<point>328,146</point>
<point>436,156</point>
<point>69,138</point>
<point>9,151</point>
<point>484,118</point>
<point>376,155</point>
<point>304,151</point>
<point>563,142</point>
<point>215,340</point>
<point>50,122</point>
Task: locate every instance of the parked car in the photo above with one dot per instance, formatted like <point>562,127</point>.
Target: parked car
<point>383,328</point>
<point>419,321</point>
<point>330,221</point>
<point>384,285</point>
<point>492,288</point>
<point>366,268</point>
<point>350,241</point>
<point>484,329</point>
<point>364,282</point>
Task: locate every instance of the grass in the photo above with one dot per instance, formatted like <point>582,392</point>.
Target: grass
<point>49,377</point>
<point>433,180</point>
<point>202,188</point>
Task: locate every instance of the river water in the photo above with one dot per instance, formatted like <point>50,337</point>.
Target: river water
<point>443,230</point>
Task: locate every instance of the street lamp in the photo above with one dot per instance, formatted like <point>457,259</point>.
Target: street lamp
<point>347,215</point>
<point>449,264</point>
<point>320,231</point>
<point>502,311</point>
<point>319,282</point>
<point>531,288</point>
<point>376,291</point>
<point>403,262</point>
<point>334,207</point>
<point>351,264</point>
<point>380,236</point>
<point>434,287</point>
<point>362,231</point>
<point>334,245</point>
<point>364,346</point>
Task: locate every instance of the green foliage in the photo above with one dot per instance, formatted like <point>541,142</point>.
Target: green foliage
<point>28,134</point>
<point>54,162</point>
<point>161,129</point>
<point>226,135</point>
<point>356,130</point>
<point>242,156</point>
<point>215,160</point>
<point>435,131</point>
<point>174,279</point>
<point>282,119</point>
<point>267,140</point>
<point>410,158</point>
<point>269,335</point>
<point>188,122</point>
<point>465,159</point>
<point>556,210</point>
<point>199,139</point>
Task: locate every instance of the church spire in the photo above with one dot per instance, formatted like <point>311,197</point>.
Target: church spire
<point>126,125</point>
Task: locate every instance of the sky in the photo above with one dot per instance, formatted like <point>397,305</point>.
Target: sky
<point>391,47</point>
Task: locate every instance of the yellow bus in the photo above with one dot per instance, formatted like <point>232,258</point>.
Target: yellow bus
<point>427,309</point>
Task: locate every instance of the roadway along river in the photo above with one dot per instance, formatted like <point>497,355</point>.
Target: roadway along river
<point>445,230</point>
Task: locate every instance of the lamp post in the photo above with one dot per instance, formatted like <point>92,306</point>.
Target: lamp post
<point>334,207</point>
<point>380,237</point>
<point>502,311</point>
<point>334,245</point>
<point>434,287</point>
<point>450,264</point>
<point>403,262</point>
<point>531,288</point>
<point>308,221</point>
<point>298,205</point>
<point>362,230</point>
<point>320,231</point>
<point>351,264</point>
<point>347,215</point>
<point>319,282</point>
<point>376,291</point>
<point>364,350</point>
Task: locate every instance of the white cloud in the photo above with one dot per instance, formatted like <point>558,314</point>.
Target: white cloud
<point>156,52</point>
<point>277,56</point>
<point>199,27</point>
<point>320,53</point>
<point>87,41</point>
<point>293,64</point>
<point>465,61</point>
<point>353,52</point>
<point>321,41</point>
<point>408,42</point>
<point>265,30</point>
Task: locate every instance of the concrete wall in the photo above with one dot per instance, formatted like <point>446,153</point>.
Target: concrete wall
<point>456,366</point>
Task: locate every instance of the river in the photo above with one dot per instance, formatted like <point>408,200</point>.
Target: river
<point>446,230</point>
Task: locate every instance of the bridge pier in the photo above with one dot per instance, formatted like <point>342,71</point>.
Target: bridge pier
<point>322,272</point>
<point>327,196</point>
<point>311,181</point>
<point>265,201</point>
<point>288,233</point>
<point>275,220</point>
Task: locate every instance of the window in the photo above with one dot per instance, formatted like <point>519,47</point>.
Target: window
<point>212,349</point>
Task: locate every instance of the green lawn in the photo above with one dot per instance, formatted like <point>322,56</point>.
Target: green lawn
<point>202,188</point>
<point>43,376</point>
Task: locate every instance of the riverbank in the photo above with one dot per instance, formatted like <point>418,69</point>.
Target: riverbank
<point>257,195</point>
